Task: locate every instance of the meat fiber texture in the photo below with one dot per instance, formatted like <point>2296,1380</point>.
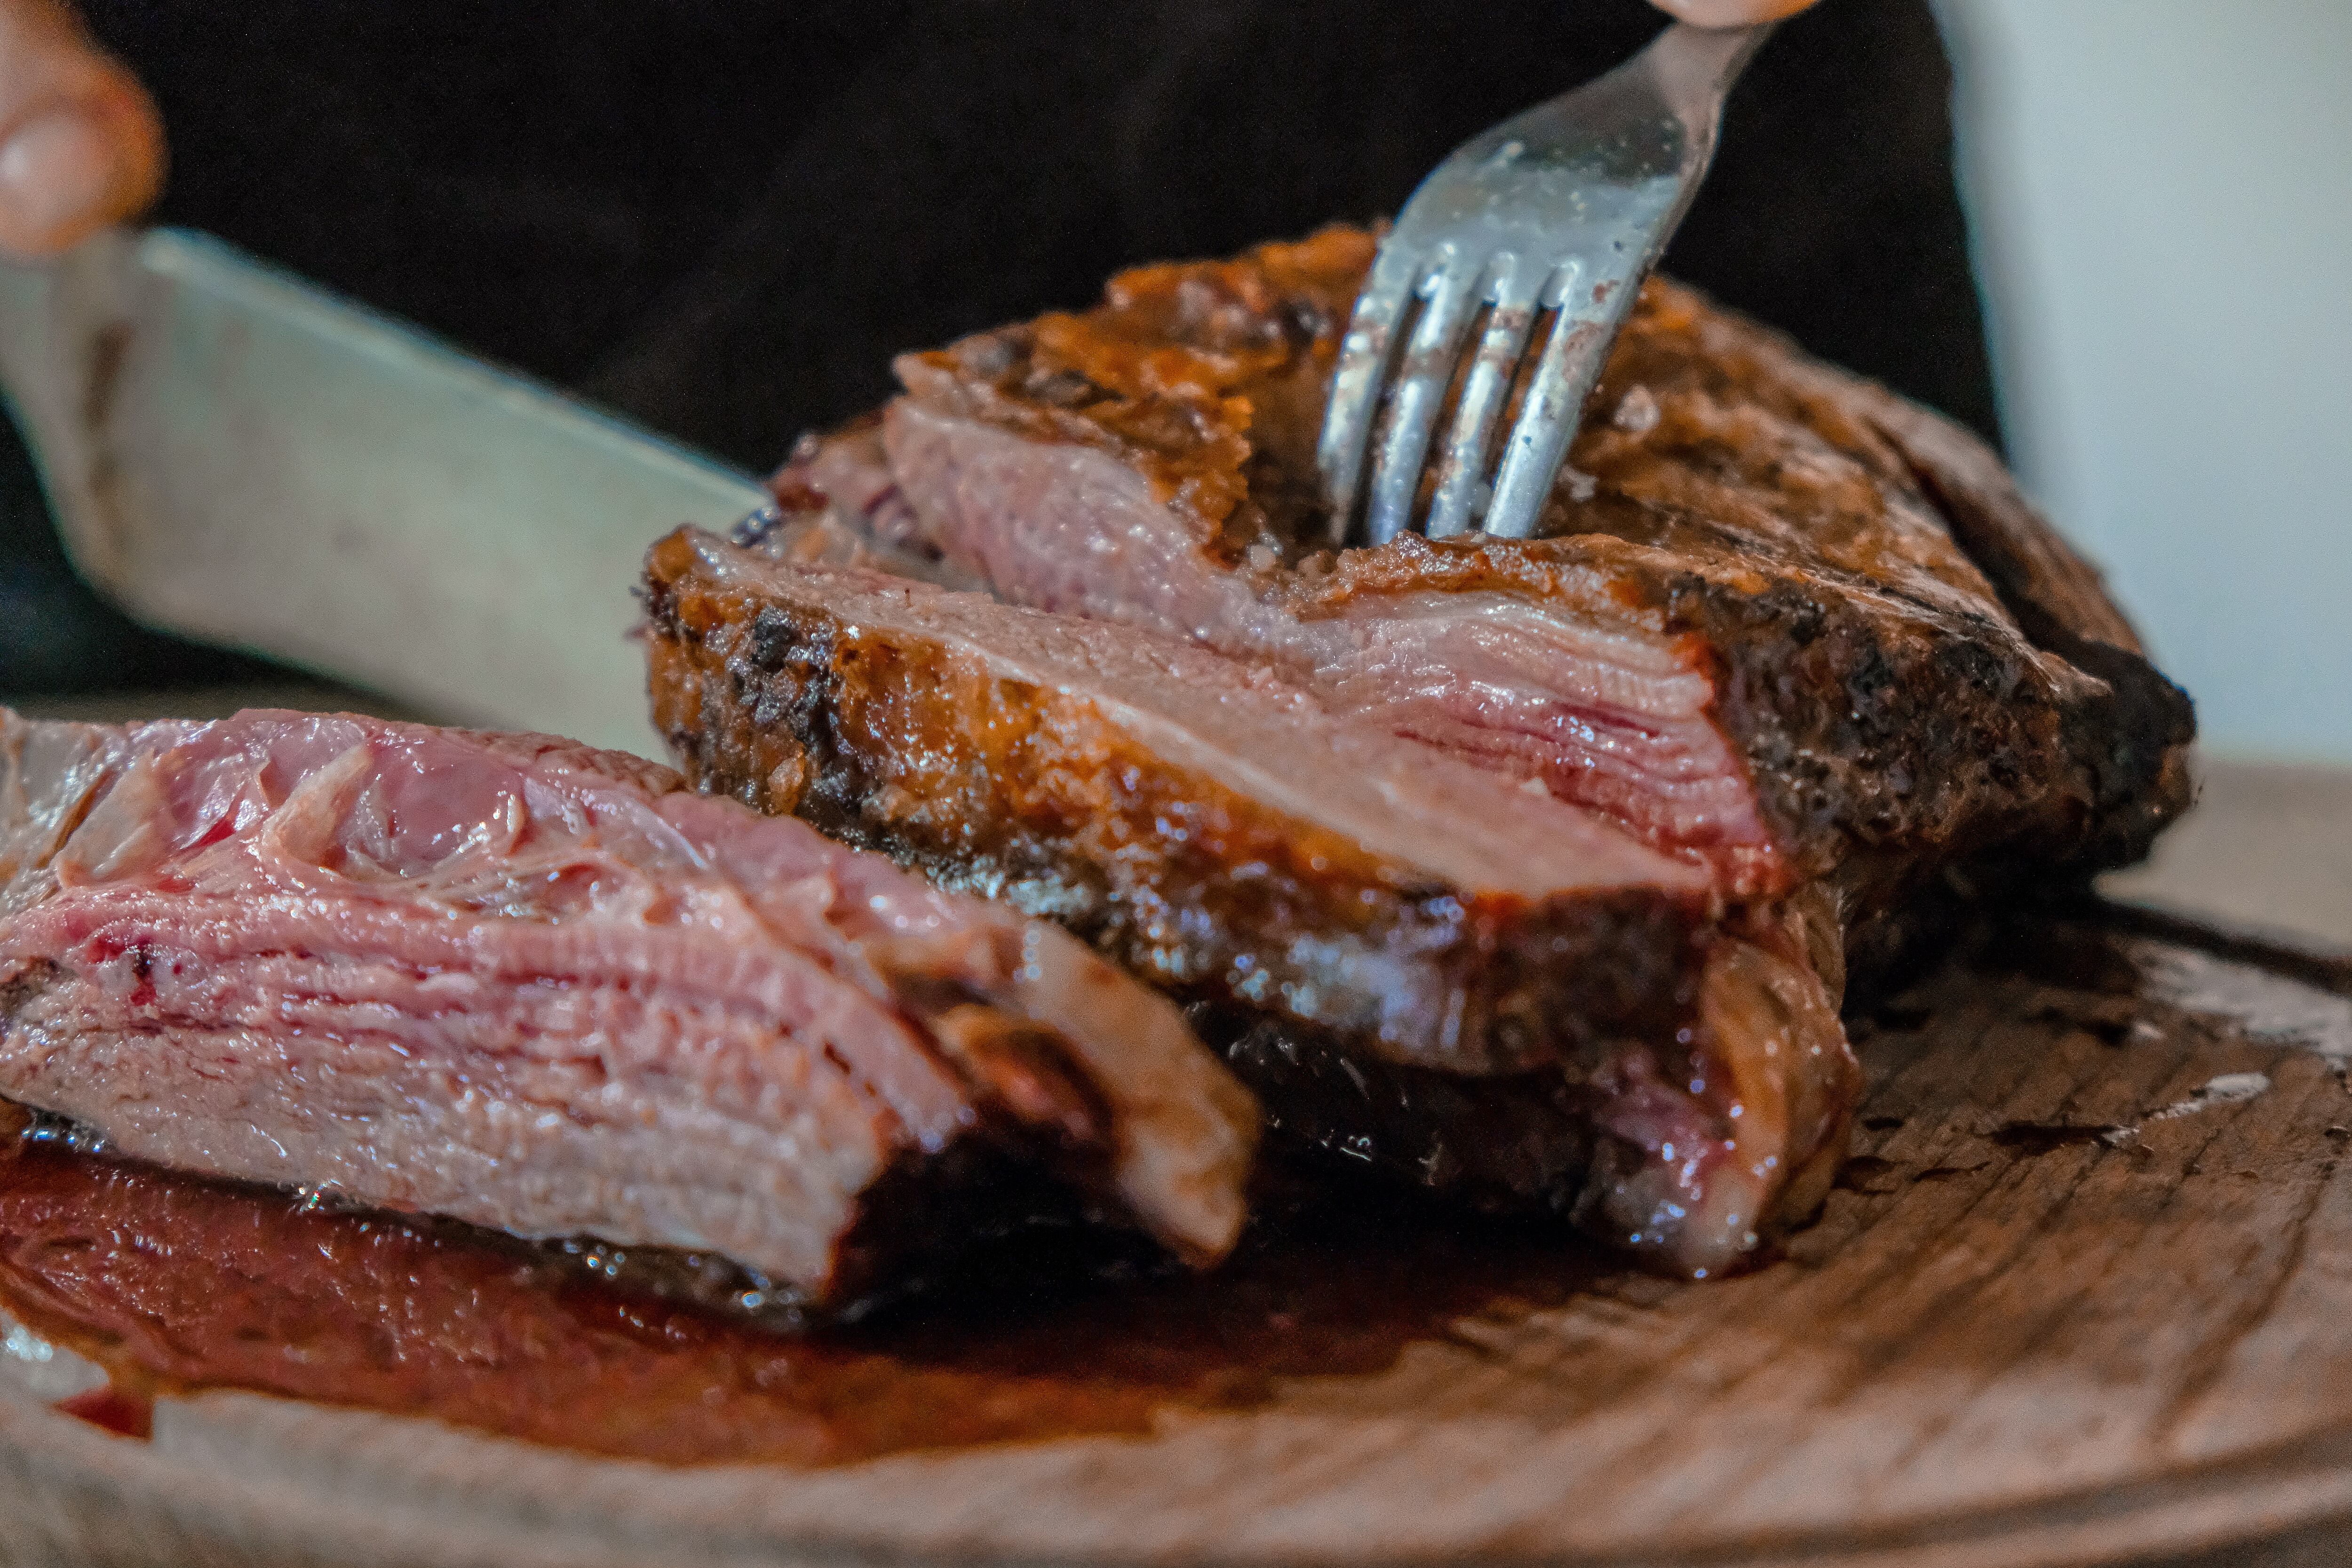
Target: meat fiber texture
<point>1781,619</point>
<point>534,987</point>
<point>1784,630</point>
<point>1367,922</point>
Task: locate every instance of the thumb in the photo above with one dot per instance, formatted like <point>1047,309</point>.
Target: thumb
<point>80,144</point>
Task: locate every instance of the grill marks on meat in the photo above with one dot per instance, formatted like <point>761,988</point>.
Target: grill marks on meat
<point>1417,961</point>
<point>1761,632</point>
<point>546,990</point>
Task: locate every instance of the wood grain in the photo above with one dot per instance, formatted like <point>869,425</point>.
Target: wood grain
<point>2084,1295</point>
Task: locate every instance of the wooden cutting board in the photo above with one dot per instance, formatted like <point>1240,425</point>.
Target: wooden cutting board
<point>2083,1296</point>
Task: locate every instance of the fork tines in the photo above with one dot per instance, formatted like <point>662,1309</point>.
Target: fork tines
<point>1541,227</point>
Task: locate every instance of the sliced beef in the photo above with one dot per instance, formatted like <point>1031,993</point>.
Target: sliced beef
<point>546,990</point>
<point>1782,621</point>
<point>1418,962</point>
<point>1795,636</point>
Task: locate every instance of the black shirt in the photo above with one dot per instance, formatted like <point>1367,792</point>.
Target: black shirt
<point>723,218</point>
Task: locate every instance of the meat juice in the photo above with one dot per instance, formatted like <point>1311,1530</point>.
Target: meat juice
<point>177,1284</point>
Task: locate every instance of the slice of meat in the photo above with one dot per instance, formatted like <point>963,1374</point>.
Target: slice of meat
<point>1418,962</point>
<point>546,990</point>
<point>1197,819</point>
<point>1783,622</point>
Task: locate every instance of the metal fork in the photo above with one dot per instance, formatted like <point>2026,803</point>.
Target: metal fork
<point>1561,209</point>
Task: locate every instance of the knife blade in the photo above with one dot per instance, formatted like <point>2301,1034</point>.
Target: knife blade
<point>238,456</point>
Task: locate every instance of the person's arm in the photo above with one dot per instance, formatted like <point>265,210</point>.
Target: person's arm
<point>80,143</point>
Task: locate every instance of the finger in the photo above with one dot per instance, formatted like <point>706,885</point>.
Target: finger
<point>1729,12</point>
<point>80,143</point>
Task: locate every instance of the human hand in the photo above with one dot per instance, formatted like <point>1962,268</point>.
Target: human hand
<point>80,143</point>
<point>1729,12</point>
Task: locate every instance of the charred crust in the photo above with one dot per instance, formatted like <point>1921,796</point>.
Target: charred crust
<point>1852,743</point>
<point>991,788</point>
<point>928,1211</point>
<point>774,637</point>
<point>1506,1143</point>
<point>2132,741</point>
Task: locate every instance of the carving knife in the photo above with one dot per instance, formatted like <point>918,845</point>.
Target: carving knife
<point>241,457</point>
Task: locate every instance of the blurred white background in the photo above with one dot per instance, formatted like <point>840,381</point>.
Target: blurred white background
<point>2161,196</point>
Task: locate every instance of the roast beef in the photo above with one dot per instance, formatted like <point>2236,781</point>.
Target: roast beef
<point>1781,620</point>
<point>1795,636</point>
<point>545,989</point>
<point>1421,961</point>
